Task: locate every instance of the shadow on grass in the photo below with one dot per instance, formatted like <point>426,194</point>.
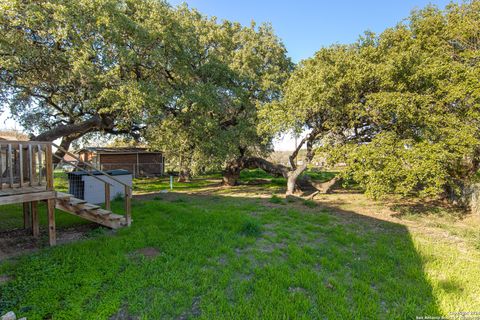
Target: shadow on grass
<point>419,208</point>
<point>320,263</point>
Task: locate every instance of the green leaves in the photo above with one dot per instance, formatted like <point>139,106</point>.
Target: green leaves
<point>401,108</point>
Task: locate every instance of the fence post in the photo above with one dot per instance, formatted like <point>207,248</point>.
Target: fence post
<point>128,205</point>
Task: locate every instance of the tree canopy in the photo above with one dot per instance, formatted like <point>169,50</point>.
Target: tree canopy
<point>400,108</point>
<point>69,68</point>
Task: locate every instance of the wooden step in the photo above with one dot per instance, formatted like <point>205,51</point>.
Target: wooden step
<point>103,212</point>
<point>89,206</point>
<point>76,202</point>
<point>92,212</point>
<point>64,196</point>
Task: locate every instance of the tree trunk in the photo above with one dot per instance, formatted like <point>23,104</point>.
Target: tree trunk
<point>59,154</point>
<point>295,170</point>
<point>185,175</point>
<point>231,174</point>
<point>292,179</point>
<point>76,129</point>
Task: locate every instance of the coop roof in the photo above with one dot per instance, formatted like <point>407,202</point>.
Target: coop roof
<point>116,150</point>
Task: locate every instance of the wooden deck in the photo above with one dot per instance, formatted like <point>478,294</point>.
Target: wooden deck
<point>26,176</point>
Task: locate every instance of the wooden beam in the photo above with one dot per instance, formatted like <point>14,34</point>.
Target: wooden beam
<point>107,196</point>
<point>52,237</point>
<point>31,172</point>
<point>27,197</point>
<point>27,215</point>
<point>39,148</point>
<point>10,165</point>
<point>20,159</point>
<point>49,167</point>
<point>35,220</point>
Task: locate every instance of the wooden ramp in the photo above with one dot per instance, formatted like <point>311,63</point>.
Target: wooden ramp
<point>68,203</point>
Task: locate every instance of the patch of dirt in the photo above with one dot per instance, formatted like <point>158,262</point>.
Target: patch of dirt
<point>148,252</point>
<point>4,278</point>
<point>297,290</point>
<point>223,260</point>
<point>267,246</point>
<point>194,311</point>
<point>123,314</point>
<point>20,241</point>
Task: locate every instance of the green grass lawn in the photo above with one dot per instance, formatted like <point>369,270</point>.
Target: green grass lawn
<point>225,257</point>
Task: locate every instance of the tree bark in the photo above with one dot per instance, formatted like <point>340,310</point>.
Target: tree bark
<point>292,178</point>
<point>296,171</point>
<point>69,133</point>
<point>231,174</point>
<point>59,153</point>
<point>95,123</point>
<point>185,175</point>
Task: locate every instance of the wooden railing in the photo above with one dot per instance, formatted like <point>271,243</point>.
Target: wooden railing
<point>26,164</point>
<point>82,166</point>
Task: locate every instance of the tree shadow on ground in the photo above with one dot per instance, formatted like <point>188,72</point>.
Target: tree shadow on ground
<point>317,263</point>
<point>421,208</point>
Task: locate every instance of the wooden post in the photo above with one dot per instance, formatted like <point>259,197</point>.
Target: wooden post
<point>27,216</point>
<point>128,205</point>
<point>52,237</point>
<point>31,172</point>
<point>49,167</point>
<point>20,160</point>
<point>35,221</point>
<point>10,165</point>
<point>39,148</point>
<point>107,196</point>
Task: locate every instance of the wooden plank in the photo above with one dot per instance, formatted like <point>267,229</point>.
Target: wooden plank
<point>76,202</point>
<point>107,196</point>
<point>89,206</point>
<point>31,173</point>
<point>28,142</point>
<point>103,212</point>
<point>52,237</point>
<point>107,218</point>
<point>49,166</point>
<point>27,215</point>
<point>28,197</point>
<point>64,196</point>
<point>16,190</point>
<point>39,148</point>
<point>10,165</point>
<point>35,220</point>
<point>20,159</point>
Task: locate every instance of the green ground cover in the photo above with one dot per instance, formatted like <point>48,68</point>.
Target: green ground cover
<point>213,256</point>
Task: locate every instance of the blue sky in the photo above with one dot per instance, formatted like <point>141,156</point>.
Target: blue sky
<point>306,25</point>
